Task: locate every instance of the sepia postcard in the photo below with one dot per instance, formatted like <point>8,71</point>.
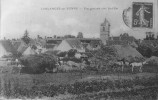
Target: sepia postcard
<point>79,50</point>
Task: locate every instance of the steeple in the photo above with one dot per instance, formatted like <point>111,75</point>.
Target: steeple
<point>104,31</point>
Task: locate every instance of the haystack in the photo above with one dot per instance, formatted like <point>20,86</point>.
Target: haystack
<point>128,53</point>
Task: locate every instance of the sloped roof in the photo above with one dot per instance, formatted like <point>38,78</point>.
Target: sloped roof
<point>74,43</point>
<point>22,47</point>
<point>133,44</point>
<point>16,44</point>
<point>32,42</point>
<point>8,46</point>
<point>29,51</point>
<point>126,52</point>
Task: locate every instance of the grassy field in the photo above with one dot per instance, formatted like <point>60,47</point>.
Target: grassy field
<point>70,77</point>
<point>39,80</point>
<point>30,80</point>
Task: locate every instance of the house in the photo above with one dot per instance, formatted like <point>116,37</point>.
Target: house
<point>23,46</point>
<point>29,51</point>
<point>71,43</point>
<point>16,44</point>
<point>6,48</point>
<point>127,52</point>
<point>33,47</point>
<point>134,44</point>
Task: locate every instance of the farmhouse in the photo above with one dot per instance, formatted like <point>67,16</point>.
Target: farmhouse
<point>23,46</point>
<point>29,51</point>
<point>71,43</point>
<point>127,52</point>
<point>6,48</point>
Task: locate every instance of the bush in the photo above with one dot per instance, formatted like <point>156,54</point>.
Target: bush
<point>38,63</point>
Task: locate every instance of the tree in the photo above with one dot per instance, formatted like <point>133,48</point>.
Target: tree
<point>145,50</point>
<point>72,52</point>
<point>26,37</point>
<point>80,35</point>
<point>155,53</point>
<point>104,57</point>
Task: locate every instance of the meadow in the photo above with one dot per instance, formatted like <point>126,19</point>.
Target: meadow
<point>85,84</point>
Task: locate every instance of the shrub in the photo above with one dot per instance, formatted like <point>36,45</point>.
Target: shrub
<point>38,63</point>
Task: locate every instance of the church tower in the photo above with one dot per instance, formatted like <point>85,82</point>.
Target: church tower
<point>104,31</point>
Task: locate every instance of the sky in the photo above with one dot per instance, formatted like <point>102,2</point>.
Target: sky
<point>55,17</point>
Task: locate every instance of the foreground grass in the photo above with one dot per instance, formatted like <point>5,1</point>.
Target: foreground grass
<point>74,83</point>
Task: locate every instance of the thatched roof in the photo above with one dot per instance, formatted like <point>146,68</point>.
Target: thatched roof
<point>127,52</point>
<point>74,43</point>
<point>16,44</point>
<point>8,46</point>
<point>22,48</point>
